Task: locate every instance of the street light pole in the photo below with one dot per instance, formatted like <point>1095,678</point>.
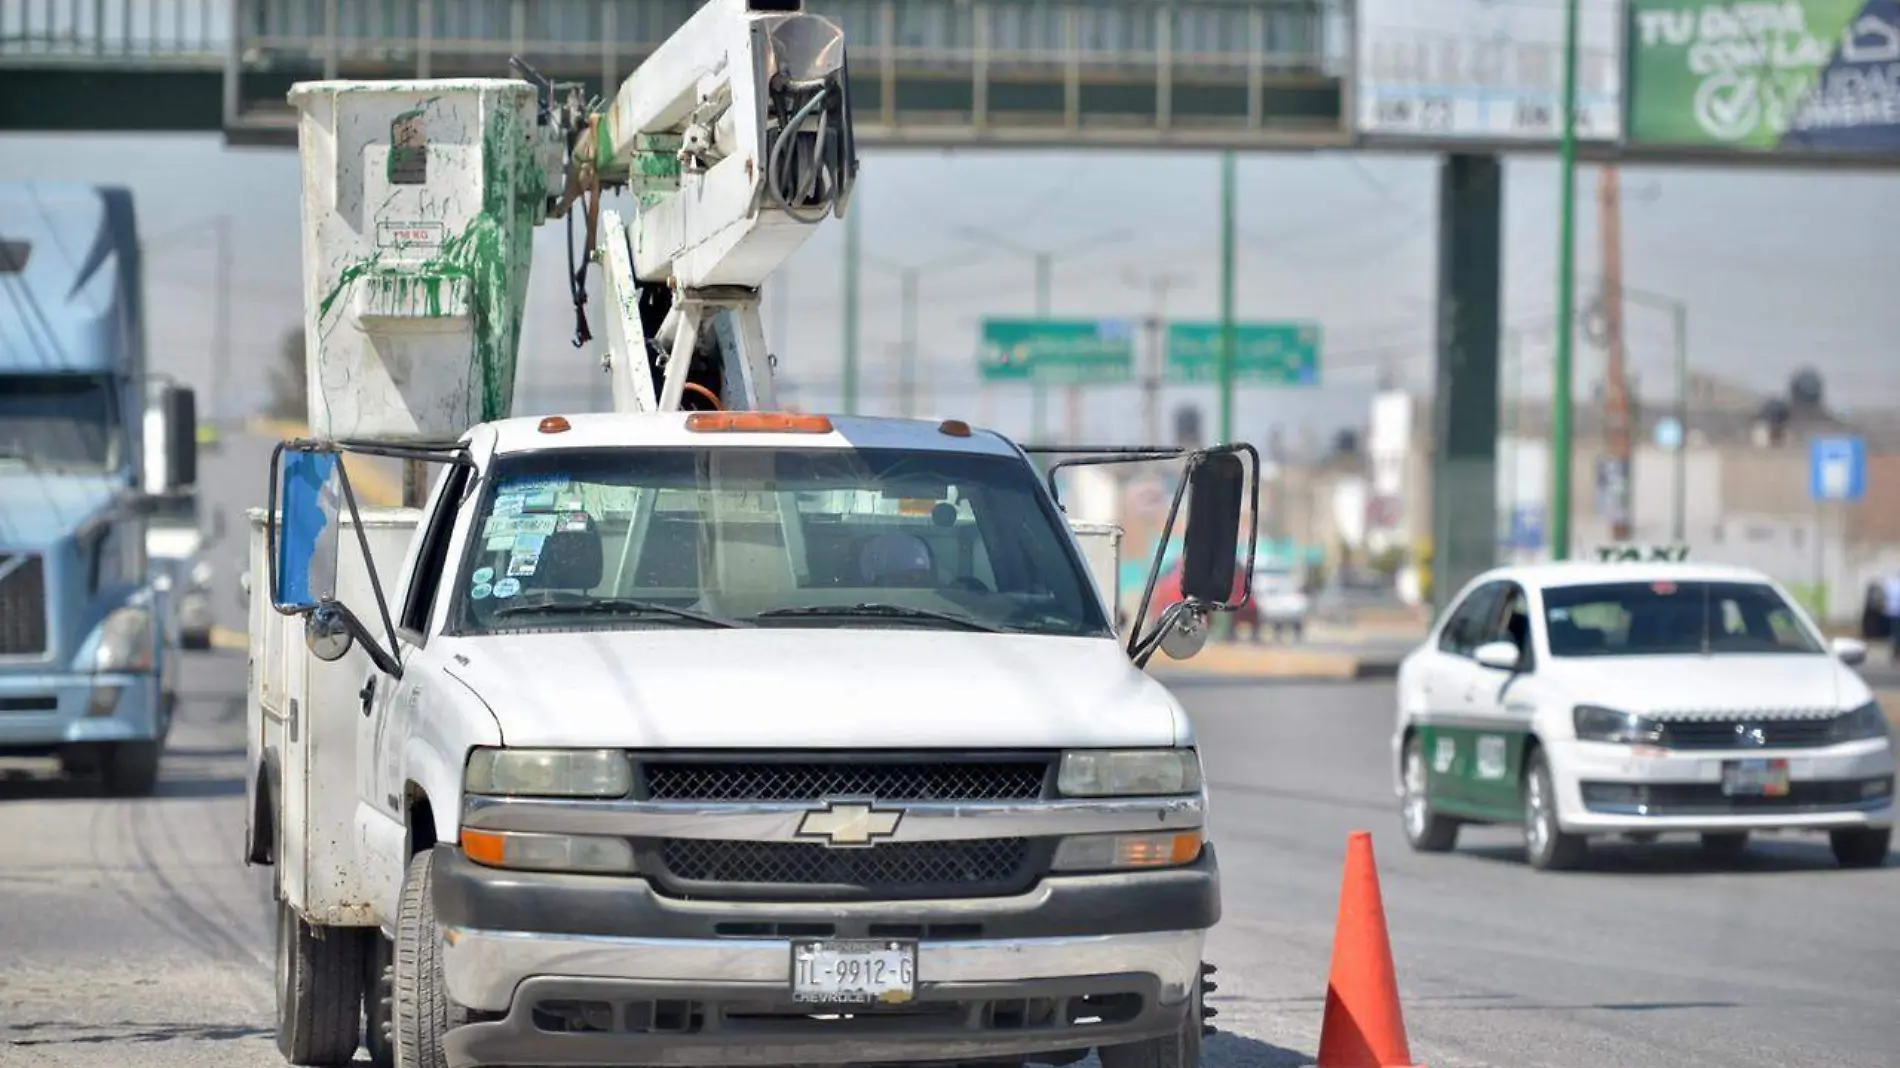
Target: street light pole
<point>1679,521</point>
<point>1156,371</point>
<point>1560,446</point>
<point>1044,260</point>
<point>1227,215</point>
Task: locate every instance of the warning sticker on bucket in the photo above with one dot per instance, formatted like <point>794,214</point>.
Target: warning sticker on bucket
<point>416,235</point>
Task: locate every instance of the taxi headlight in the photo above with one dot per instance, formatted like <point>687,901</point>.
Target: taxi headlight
<point>550,772</point>
<point>125,641</point>
<point>1129,772</point>
<point>1598,724</point>
<point>1867,721</point>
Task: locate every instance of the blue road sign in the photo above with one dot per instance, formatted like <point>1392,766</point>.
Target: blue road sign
<point>1837,469</point>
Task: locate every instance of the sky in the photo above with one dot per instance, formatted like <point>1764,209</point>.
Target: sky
<point>1778,269</point>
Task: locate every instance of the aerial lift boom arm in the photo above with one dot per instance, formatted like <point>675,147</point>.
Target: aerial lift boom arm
<point>735,138</point>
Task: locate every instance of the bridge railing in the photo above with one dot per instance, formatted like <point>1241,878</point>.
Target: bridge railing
<point>1273,36</point>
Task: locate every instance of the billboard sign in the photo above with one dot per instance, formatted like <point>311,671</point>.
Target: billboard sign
<point>1800,74</point>
<point>1479,70</point>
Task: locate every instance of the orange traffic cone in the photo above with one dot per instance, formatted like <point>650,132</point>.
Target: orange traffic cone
<point>1363,1027</point>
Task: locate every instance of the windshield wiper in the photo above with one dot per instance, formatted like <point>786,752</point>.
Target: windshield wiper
<point>874,611</point>
<point>618,606</point>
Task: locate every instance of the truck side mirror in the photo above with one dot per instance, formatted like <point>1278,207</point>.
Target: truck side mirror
<point>1216,489</point>
<point>181,438</point>
<point>309,503</point>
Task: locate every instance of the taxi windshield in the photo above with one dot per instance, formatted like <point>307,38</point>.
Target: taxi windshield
<point>1672,619</point>
<point>780,537</point>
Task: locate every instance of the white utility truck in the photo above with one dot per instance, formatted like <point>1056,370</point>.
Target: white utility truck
<point>696,732</point>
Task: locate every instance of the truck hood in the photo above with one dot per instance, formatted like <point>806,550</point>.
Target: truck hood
<point>42,507</point>
<point>1730,683</point>
<point>810,688</point>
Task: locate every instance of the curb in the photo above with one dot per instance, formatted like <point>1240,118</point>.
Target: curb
<point>228,639</point>
<point>378,488</point>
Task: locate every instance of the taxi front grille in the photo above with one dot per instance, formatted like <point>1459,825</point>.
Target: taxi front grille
<point>707,868</point>
<point>1742,732</point>
<point>850,775</point>
<point>22,605</point>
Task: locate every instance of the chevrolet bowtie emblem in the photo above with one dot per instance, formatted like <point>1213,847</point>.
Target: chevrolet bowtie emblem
<point>848,824</point>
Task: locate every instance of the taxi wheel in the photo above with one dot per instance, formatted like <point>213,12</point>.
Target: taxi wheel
<point>1546,846</point>
<point>1861,847</point>
<point>1425,830</point>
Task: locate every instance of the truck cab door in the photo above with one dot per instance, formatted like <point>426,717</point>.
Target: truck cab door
<point>388,705</point>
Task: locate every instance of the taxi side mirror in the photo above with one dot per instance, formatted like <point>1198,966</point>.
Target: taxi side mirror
<point>1500,656</point>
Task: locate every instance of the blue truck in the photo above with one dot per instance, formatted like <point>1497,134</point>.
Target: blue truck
<point>86,671</point>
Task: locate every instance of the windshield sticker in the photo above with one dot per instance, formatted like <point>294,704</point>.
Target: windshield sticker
<point>523,562</point>
<point>1663,588</point>
<point>538,501</point>
<point>499,543</point>
<point>481,591</point>
<point>1559,615</point>
<point>507,588</point>
<point>530,543</point>
<point>569,502</point>
<point>519,524</point>
<point>483,574</point>
<point>572,521</point>
<point>536,484</point>
<point>508,504</point>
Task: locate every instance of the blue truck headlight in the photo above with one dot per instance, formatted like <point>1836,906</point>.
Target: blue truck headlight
<point>1597,724</point>
<point>125,641</point>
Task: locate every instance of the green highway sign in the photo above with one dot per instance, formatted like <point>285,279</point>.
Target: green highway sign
<point>1057,351</point>
<point>1284,354</point>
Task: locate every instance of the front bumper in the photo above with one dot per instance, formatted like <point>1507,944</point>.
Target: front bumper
<point>1622,788</point>
<point>1076,962</point>
<point>42,711</point>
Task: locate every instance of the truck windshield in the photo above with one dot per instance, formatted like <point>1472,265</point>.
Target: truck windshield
<point>771,537</point>
<point>56,422</point>
<point>1672,619</point>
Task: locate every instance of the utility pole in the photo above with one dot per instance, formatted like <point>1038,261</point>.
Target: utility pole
<point>1044,259</point>
<point>1045,278</point>
<point>1679,518</point>
<point>851,254</point>
<point>907,362</point>
<point>1157,364</point>
<point>1227,339</point>
<point>1560,445</point>
<point>1616,385</point>
<point>221,339</point>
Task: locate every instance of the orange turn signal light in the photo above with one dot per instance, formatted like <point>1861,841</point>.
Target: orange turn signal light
<point>484,847</point>
<point>756,423</point>
<point>554,424</point>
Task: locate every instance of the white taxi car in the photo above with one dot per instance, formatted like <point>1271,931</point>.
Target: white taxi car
<point>1637,699</point>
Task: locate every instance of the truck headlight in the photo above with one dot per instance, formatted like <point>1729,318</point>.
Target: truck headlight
<point>550,772</point>
<point>125,641</point>
<point>1596,724</point>
<point>1129,772</point>
<point>1867,721</point>
<point>547,852</point>
<point>1121,852</point>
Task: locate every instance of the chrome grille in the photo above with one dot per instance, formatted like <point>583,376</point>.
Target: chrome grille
<point>817,780</point>
<point>889,870</point>
<point>1746,732</point>
<point>22,605</point>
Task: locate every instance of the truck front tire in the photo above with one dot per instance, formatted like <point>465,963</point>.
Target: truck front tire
<point>319,991</point>
<point>131,768</point>
<point>423,1011</point>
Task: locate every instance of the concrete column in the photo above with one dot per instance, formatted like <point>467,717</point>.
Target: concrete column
<point>1465,400</point>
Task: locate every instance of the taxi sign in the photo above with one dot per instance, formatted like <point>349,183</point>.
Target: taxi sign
<point>1640,554</point>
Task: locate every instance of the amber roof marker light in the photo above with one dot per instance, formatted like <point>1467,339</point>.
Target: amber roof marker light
<point>555,424</point>
<point>756,423</point>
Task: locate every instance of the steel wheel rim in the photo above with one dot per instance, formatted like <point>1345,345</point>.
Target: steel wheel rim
<point>1414,805</point>
<point>1537,814</point>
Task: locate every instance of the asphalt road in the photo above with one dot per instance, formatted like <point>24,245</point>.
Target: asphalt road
<point>131,933</point>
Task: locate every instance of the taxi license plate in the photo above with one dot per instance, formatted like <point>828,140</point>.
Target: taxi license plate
<point>854,973</point>
<point>1755,778</point>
